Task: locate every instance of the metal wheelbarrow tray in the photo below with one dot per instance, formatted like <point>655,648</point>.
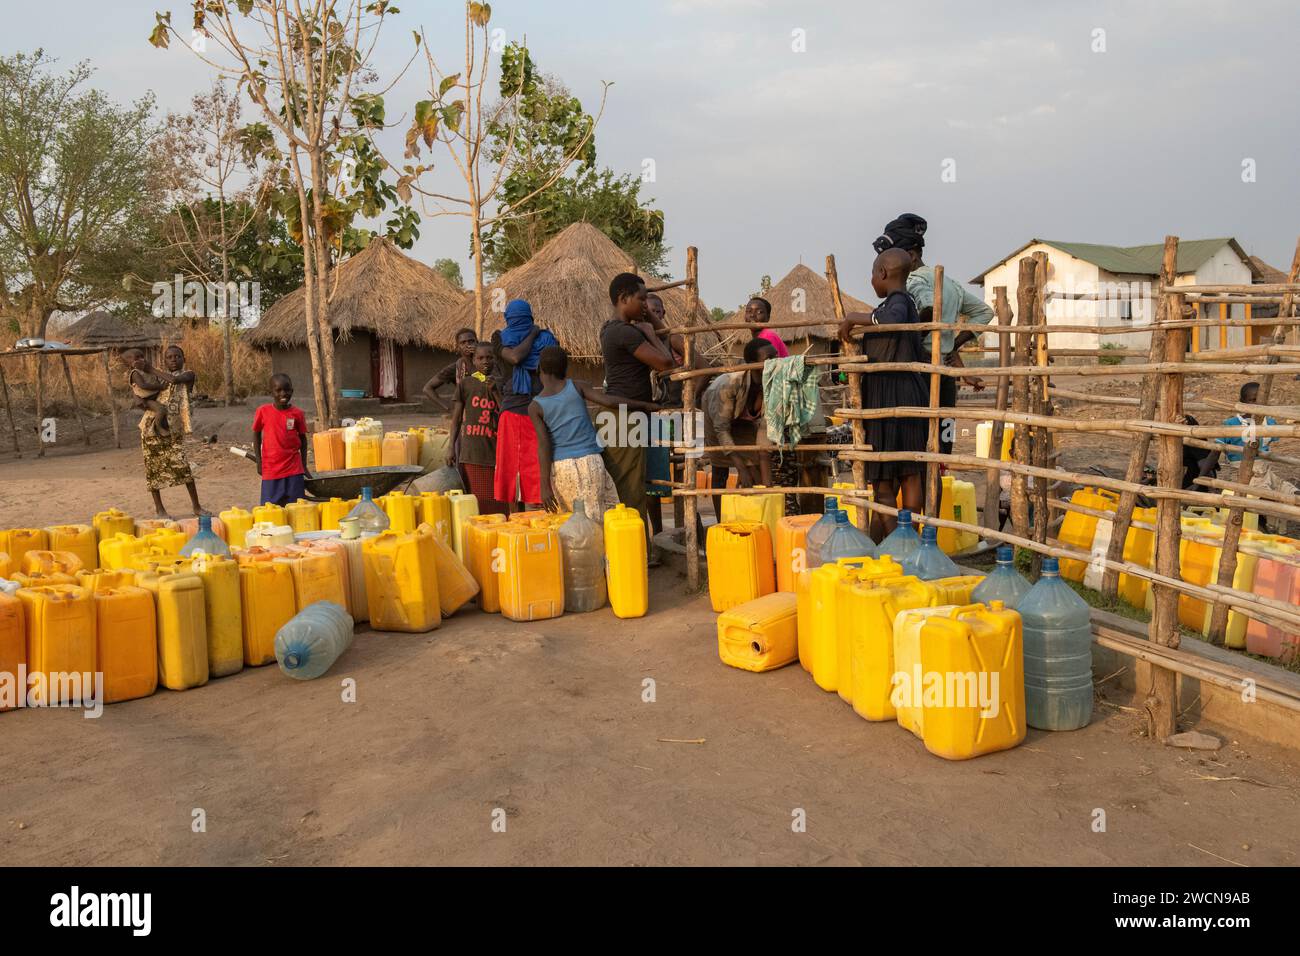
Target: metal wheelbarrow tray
<point>325,485</point>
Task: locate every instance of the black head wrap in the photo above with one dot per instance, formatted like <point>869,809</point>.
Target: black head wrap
<point>906,232</point>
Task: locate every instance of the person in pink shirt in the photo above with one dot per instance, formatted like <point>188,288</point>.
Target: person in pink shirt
<point>759,312</point>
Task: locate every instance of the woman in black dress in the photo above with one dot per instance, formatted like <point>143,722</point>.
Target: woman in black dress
<point>893,389</point>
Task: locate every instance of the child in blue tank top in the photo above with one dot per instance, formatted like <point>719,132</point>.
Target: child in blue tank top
<point>568,449</point>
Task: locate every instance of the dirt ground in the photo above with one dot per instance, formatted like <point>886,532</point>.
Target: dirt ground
<point>547,723</point>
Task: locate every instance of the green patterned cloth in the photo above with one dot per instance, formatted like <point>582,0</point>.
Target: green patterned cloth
<point>790,399</point>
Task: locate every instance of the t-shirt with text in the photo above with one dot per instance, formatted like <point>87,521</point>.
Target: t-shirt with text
<point>478,429</point>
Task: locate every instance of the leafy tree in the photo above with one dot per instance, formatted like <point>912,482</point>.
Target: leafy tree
<point>450,270</point>
<point>305,64</point>
<point>717,314</point>
<point>76,185</point>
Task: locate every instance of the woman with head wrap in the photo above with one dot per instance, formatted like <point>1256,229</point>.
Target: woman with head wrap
<point>517,349</point>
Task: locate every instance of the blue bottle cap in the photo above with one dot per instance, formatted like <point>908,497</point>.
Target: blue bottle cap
<point>929,533</point>
<point>904,516</point>
<point>841,516</point>
<point>1051,566</point>
<point>831,504</point>
<point>366,493</point>
<point>205,522</point>
<point>1006,554</point>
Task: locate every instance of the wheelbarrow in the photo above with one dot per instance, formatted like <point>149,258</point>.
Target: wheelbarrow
<point>347,484</point>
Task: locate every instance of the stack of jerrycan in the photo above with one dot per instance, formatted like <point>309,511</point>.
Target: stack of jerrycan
<point>760,635</point>
<point>739,557</point>
<point>271,514</point>
<point>1277,577</point>
<point>626,570</point>
<point>119,551</point>
<point>52,562</point>
<point>316,577</point>
<point>530,581</point>
<point>966,690</point>
<point>402,581</point>
<point>790,549</point>
<point>1080,532</point>
<point>816,610</point>
<point>434,443</point>
<point>765,509</point>
<point>362,444</point>
<point>957,503</point>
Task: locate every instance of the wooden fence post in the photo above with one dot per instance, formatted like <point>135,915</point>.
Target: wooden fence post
<point>691,508</point>
<point>1020,442</point>
<point>112,407</point>
<point>992,481</point>
<point>933,493</point>
<point>850,350</point>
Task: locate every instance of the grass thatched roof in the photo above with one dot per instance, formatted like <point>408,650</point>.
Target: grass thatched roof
<point>567,284</point>
<point>380,290</point>
<point>809,290</point>
<point>100,329</point>
<point>1267,273</point>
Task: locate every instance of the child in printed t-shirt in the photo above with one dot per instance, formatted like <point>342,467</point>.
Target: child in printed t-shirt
<point>474,427</point>
<point>280,445</point>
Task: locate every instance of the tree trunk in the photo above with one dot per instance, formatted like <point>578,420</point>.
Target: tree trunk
<point>324,331</point>
<point>309,293</point>
<point>227,334</point>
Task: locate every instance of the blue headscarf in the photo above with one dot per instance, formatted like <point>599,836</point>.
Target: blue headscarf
<point>519,322</point>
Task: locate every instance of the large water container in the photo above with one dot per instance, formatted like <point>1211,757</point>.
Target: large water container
<point>182,628</point>
<point>126,642</point>
<point>370,516</point>
<point>530,582</point>
<point>60,640</point>
<point>205,541</point>
<point>626,573</point>
<point>13,640</point>
<point>1058,653</point>
<point>845,541</point>
<point>223,611</point>
<point>237,523</point>
<point>111,522</point>
<point>79,539</point>
<point>312,640</point>
<point>928,562</point>
<point>1005,584</point>
<point>759,635</point>
<point>303,515</point>
<point>902,541</point>
<point>791,549</point>
<point>819,532</point>
<point>739,555</point>
<point>583,545</point>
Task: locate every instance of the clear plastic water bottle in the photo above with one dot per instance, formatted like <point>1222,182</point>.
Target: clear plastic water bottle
<point>900,543</point>
<point>928,562</point>
<point>1005,584</point>
<point>819,532</point>
<point>205,541</point>
<point>582,544</point>
<point>312,640</point>
<point>370,517</point>
<point>1058,653</point>
<point>845,541</point>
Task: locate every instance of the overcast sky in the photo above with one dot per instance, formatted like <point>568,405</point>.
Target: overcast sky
<point>766,155</point>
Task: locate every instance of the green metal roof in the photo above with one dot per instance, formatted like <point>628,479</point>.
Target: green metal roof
<point>1136,260</point>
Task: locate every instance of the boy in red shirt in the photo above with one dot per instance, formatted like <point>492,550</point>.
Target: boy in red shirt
<point>280,445</point>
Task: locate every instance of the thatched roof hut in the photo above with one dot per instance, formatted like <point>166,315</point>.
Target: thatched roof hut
<point>100,329</point>
<point>1267,274</point>
<point>380,290</point>
<point>802,295</point>
<point>567,284</point>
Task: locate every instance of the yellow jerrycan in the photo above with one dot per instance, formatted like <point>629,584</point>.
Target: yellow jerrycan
<point>119,551</point>
<point>907,664</point>
<point>1243,579</point>
<point>21,540</point>
<point>13,643</point>
<point>759,635</point>
<point>79,539</point>
<point>357,600</point>
<point>626,571</point>
<point>456,585</point>
<point>865,660</point>
<point>170,540</point>
<point>331,511</point>
<point>52,562</point>
<point>269,514</point>
<point>766,509</point>
<point>789,549</point>
<point>480,546</point>
<point>315,578</point>
<point>101,580</point>
<point>530,582</point>
<point>1198,562</point>
<point>1078,530</point>
<point>222,613</point>
<point>403,511</point>
<point>182,628</point>
<point>236,523</point>
<point>327,450</point>
<point>126,642</point>
<point>984,440</point>
<point>6,566</point>
<point>111,522</point>
<point>303,516</point>
<point>37,579</point>
<point>338,552</point>
<point>1139,549</point>
<point>977,654</point>
<point>435,511</point>
<point>830,639</point>
<point>266,600</point>
<point>399,448</point>
<point>957,503</point>
<point>850,510</point>
<point>957,590</point>
<point>60,641</point>
<point>402,582</point>
<point>739,557</point>
<point>463,507</point>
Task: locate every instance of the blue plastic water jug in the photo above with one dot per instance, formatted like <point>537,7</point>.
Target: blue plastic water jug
<point>902,541</point>
<point>1058,653</point>
<point>312,640</point>
<point>205,540</point>
<point>927,562</point>
<point>1005,584</point>
<point>846,541</point>
<point>820,531</point>
<point>371,517</point>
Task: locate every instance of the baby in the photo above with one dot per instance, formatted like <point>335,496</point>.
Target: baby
<point>146,386</point>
